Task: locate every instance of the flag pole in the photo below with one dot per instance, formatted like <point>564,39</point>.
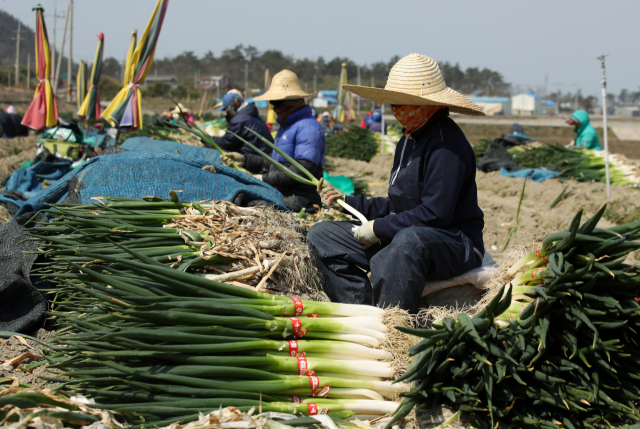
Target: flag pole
<point>604,124</point>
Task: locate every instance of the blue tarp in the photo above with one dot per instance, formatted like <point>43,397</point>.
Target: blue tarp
<point>29,180</point>
<point>536,174</point>
<point>145,144</point>
<point>140,174</point>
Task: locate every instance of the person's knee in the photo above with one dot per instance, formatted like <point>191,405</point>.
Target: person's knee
<point>408,238</point>
<point>319,232</point>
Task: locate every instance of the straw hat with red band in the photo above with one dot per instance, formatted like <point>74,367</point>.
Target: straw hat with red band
<point>417,80</point>
<point>284,86</point>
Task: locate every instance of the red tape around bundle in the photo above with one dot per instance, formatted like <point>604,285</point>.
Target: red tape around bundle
<point>303,365</point>
<point>533,274</point>
<point>293,348</point>
<point>296,400</point>
<point>541,257</point>
<point>297,327</point>
<point>298,306</point>
<point>313,409</point>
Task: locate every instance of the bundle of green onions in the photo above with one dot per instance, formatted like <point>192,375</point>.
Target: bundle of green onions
<point>239,242</point>
<point>355,143</point>
<point>582,165</point>
<point>558,350</point>
<point>162,345</point>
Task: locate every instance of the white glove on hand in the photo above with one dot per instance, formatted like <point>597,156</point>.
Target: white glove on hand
<point>329,195</point>
<point>230,157</point>
<point>365,235</point>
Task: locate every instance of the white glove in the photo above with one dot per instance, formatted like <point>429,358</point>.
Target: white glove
<point>365,235</point>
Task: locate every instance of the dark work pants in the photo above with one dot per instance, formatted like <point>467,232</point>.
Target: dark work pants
<point>399,269</point>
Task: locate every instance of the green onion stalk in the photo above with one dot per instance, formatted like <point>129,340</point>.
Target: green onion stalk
<point>310,180</point>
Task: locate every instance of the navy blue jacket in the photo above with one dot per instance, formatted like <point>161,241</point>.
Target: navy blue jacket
<point>435,185</point>
<point>245,117</point>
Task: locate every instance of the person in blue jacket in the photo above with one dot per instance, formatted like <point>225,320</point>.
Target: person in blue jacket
<point>299,136</point>
<point>586,135</point>
<point>430,225</point>
<point>375,124</point>
<point>241,117</point>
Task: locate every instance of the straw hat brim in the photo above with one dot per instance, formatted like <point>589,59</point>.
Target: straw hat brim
<point>456,102</point>
<point>282,95</point>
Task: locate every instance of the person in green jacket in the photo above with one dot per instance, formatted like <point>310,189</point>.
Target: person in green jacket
<point>587,136</point>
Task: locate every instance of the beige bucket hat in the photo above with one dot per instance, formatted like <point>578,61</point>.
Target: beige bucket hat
<point>284,86</point>
<point>417,80</point>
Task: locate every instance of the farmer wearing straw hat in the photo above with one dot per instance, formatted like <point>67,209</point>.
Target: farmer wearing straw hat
<point>430,225</point>
<point>300,136</point>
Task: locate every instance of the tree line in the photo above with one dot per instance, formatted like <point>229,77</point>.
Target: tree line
<point>313,74</point>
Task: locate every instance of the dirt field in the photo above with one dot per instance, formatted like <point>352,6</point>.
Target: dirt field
<point>12,348</point>
<point>14,152</point>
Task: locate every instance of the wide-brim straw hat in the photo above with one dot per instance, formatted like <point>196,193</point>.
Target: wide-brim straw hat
<point>284,86</point>
<point>417,80</point>
<point>231,91</point>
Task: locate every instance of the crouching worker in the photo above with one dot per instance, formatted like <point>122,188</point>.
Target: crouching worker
<point>430,225</point>
<point>241,115</point>
<point>586,136</point>
<point>300,136</point>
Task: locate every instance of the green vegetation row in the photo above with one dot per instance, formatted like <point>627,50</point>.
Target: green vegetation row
<point>559,349</point>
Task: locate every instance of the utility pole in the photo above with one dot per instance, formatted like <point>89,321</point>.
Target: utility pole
<point>18,55</point>
<point>604,125</point>
<point>359,85</point>
<point>315,83</point>
<point>28,71</point>
<point>56,75</point>
<point>246,79</point>
<point>70,57</point>
<point>53,51</point>
<point>382,129</point>
<point>577,102</point>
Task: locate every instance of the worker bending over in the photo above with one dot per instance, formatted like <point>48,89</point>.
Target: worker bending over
<point>586,138</point>
<point>430,225</point>
<point>242,116</point>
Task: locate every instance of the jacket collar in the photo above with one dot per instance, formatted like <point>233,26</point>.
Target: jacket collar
<point>423,130</point>
<point>303,113</point>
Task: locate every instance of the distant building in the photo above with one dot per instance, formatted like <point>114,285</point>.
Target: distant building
<point>493,105</point>
<point>171,80</point>
<point>212,82</point>
<point>532,104</point>
<point>324,98</point>
<point>626,111</point>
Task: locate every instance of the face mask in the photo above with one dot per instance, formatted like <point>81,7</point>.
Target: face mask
<point>413,117</point>
<point>285,108</point>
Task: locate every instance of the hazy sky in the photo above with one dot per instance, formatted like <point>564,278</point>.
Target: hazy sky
<point>524,40</point>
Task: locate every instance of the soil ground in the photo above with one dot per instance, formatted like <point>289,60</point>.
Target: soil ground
<point>12,348</point>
